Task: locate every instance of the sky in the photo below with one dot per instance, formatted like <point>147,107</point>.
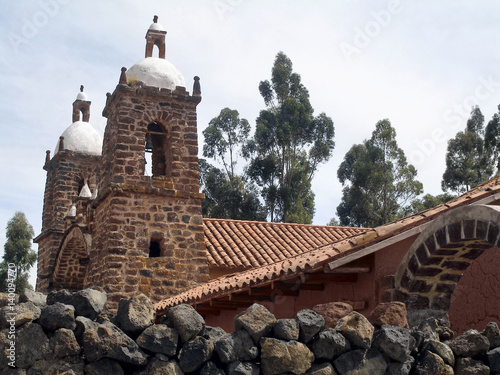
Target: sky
<point>422,64</point>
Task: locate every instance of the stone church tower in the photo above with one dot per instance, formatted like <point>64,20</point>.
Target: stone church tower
<point>141,230</point>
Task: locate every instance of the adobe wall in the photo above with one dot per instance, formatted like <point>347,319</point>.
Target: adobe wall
<point>476,299</point>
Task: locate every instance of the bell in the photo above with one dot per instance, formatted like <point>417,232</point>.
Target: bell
<point>149,144</point>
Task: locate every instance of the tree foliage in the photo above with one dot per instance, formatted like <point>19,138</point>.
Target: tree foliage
<point>227,195</point>
<point>426,202</point>
<point>492,138</point>
<point>17,253</point>
<point>469,158</point>
<point>378,181</point>
<point>288,145</point>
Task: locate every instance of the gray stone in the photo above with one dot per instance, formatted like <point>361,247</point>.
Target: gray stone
<point>107,340</point>
<point>57,316</point>
<point>135,314</point>
<point>279,356</point>
<point>22,313</point>
<point>212,333</point>
<point>83,324</point>
<point>159,339</point>
<point>157,367</point>
<point>361,362</point>
<point>310,323</point>
<point>394,342</point>
<point>89,302</point>
<point>62,296</point>
<point>186,321</point>
<point>357,329</point>
<point>64,343</point>
<point>5,299</point>
<point>28,295</point>
<point>195,353</point>
<point>104,366</point>
<point>72,365</point>
<point>243,368</point>
<point>442,350</point>
<point>210,368</point>
<point>430,363</point>
<point>469,366</point>
<point>470,344</point>
<point>31,345</point>
<point>236,346</point>
<point>321,369</point>
<point>492,332</point>
<point>417,317</point>
<point>329,344</point>
<point>494,359</point>
<point>286,329</point>
<point>397,368</point>
<point>256,320</point>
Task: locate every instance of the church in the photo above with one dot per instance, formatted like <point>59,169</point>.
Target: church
<point>124,213</point>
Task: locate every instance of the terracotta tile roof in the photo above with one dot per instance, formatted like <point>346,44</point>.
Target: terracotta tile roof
<point>316,259</point>
<point>236,243</point>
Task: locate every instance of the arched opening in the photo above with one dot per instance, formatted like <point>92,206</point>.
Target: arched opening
<point>154,249</point>
<point>157,48</point>
<point>434,265</point>
<point>157,151</point>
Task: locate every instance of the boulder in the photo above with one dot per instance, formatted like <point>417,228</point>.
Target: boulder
<point>236,346</point>
<point>286,329</point>
<point>73,365</point>
<point>212,333</point>
<point>5,299</point>
<point>57,316</point>
<point>332,312</point>
<point>279,356</point>
<point>256,320</point>
<point>89,302</point>
<point>310,323</point>
<point>186,321</point>
<point>104,366</point>
<point>389,313</point>
<point>470,344</point>
<point>195,353</point>
<point>430,363</point>
<point>31,345</point>
<point>243,368</point>
<point>493,357</point>
<point>357,329</point>
<point>210,368</point>
<point>62,296</point>
<point>442,350</point>
<point>83,324</point>
<point>159,339</point>
<point>107,340</point>
<point>360,362</point>
<point>37,298</point>
<point>321,369</point>
<point>397,368</point>
<point>158,367</point>
<point>64,343</point>
<point>135,314</point>
<point>22,313</point>
<point>469,366</point>
<point>395,342</point>
<point>492,333</point>
<point>329,344</point>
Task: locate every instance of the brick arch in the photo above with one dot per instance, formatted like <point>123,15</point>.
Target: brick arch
<point>434,264</point>
<point>71,261</point>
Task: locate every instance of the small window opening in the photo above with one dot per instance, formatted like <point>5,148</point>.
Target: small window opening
<point>156,150</point>
<point>154,249</point>
<point>80,186</point>
<point>82,114</point>
<point>156,51</point>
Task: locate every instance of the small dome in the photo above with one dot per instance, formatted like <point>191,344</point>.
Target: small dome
<point>156,27</point>
<point>156,72</point>
<point>81,137</point>
<point>82,96</point>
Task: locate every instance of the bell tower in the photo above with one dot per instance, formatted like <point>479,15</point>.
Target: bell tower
<point>148,234</point>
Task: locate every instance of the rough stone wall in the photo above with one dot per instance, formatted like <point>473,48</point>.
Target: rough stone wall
<point>64,174</point>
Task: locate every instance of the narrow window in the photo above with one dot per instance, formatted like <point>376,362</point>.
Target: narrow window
<point>157,148</point>
<point>154,249</point>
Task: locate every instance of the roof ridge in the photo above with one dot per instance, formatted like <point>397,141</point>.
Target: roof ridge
<point>209,219</point>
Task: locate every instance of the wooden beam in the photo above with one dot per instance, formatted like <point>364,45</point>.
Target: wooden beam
<point>346,269</point>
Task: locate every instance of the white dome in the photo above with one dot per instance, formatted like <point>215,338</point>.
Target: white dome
<point>82,96</point>
<point>156,72</point>
<point>156,26</point>
<point>82,137</point>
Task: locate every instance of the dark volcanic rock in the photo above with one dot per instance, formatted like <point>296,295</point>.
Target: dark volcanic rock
<point>159,339</point>
<point>310,323</point>
<point>329,344</point>
<point>256,320</point>
<point>279,356</point>
<point>236,346</point>
<point>195,353</point>
<point>135,314</point>
<point>58,316</point>
<point>186,321</point>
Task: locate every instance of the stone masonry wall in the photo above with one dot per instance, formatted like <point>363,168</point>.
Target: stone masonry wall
<point>73,333</point>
